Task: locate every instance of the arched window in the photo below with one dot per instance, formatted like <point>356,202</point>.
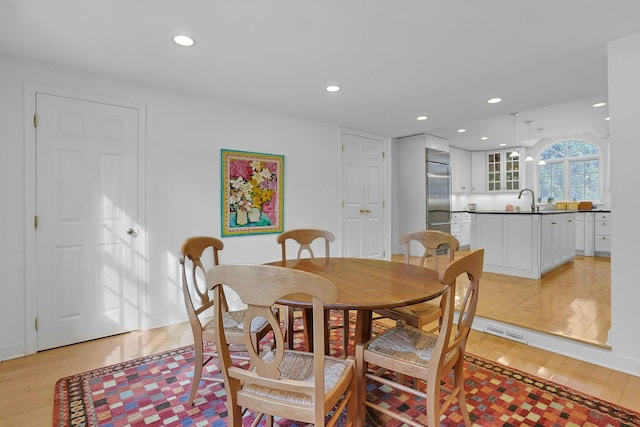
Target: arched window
<point>571,172</point>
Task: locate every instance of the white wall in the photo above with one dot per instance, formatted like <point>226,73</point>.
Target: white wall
<point>184,137</point>
<point>624,108</point>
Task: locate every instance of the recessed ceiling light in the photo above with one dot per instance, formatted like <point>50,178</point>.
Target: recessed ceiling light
<point>503,144</point>
<point>462,130</point>
<point>183,40</point>
<point>421,118</point>
<point>607,118</point>
<point>494,100</point>
<point>599,104</point>
<point>484,138</point>
<point>333,88</point>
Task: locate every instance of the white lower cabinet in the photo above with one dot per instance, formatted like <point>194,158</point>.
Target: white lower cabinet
<point>558,240</point>
<point>510,242</point>
<point>461,228</point>
<point>584,233</point>
<point>523,245</point>
<point>603,234</point>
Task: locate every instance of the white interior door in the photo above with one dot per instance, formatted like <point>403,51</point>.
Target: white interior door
<point>86,202</point>
<point>362,196</point>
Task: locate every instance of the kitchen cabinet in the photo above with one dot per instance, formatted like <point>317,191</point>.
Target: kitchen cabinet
<point>460,170</point>
<point>502,171</point>
<point>603,234</point>
<point>478,172</point>
<point>523,244</point>
<point>558,240</point>
<point>510,242</point>
<point>461,228</point>
<point>495,171</point>
<point>584,234</point>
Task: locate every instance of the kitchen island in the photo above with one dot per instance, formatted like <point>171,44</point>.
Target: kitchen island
<point>524,244</point>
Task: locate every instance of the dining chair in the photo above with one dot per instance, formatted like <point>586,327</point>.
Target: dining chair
<point>296,385</point>
<point>427,357</point>
<point>304,238</point>
<point>199,306</point>
<point>433,241</point>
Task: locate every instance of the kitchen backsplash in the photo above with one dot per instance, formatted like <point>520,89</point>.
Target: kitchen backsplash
<point>494,201</point>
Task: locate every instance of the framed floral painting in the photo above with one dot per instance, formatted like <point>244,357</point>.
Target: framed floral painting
<point>252,193</point>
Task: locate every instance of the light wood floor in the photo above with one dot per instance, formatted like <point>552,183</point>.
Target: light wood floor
<point>572,301</point>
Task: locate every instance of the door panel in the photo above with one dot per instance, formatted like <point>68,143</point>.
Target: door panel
<point>86,156</point>
<point>363,197</point>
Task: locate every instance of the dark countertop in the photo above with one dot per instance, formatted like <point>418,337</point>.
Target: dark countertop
<point>528,212</point>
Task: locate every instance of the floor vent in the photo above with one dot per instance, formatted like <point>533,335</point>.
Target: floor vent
<point>507,333</point>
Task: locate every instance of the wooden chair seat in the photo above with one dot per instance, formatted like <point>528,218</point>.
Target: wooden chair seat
<point>405,343</point>
<point>299,366</point>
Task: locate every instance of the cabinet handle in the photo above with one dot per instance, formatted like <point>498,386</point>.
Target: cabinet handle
<point>570,220</point>
<point>553,223</point>
<point>365,211</point>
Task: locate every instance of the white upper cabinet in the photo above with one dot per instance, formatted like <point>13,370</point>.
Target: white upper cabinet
<point>503,173</point>
<point>478,172</point>
<point>460,170</point>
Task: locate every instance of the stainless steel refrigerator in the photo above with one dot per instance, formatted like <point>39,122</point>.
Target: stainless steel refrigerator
<point>438,188</point>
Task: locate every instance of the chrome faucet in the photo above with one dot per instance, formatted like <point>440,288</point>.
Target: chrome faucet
<point>533,198</point>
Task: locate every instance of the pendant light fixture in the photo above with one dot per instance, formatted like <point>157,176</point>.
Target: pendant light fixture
<point>514,153</point>
<point>529,157</point>
<point>541,162</point>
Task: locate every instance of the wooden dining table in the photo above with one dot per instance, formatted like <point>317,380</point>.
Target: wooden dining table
<point>365,285</point>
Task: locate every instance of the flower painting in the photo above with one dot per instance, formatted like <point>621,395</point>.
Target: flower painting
<point>252,186</point>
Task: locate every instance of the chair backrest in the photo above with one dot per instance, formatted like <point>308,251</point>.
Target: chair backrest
<point>451,347</point>
<point>304,237</point>
<point>432,240</point>
<point>274,283</point>
<point>193,269</point>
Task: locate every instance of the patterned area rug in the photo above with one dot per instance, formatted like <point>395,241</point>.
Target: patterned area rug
<point>153,391</point>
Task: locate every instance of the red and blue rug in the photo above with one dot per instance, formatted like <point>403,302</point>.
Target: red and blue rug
<point>153,391</point>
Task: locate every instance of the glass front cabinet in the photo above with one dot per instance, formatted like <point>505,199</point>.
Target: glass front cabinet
<point>503,171</point>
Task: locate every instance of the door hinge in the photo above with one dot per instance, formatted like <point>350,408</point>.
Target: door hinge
<point>36,323</point>
<point>35,120</point>
<point>36,222</point>
<point>384,254</point>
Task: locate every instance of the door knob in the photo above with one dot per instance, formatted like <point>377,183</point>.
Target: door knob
<point>131,232</point>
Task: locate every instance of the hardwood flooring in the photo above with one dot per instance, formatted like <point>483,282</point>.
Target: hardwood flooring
<point>573,301</point>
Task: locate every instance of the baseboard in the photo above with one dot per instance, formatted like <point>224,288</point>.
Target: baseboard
<point>567,347</point>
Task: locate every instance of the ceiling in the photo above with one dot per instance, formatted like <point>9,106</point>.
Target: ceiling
<point>395,60</point>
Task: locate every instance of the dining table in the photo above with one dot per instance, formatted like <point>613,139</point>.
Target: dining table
<point>364,285</point>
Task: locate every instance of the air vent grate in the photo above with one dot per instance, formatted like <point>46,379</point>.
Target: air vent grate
<point>503,332</point>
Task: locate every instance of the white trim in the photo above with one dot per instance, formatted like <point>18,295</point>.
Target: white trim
<point>30,301</point>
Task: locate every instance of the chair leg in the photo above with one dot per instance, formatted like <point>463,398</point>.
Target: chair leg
<point>361,380</point>
<point>433,401</point>
<point>197,370</point>
<point>345,332</point>
<point>458,377</point>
